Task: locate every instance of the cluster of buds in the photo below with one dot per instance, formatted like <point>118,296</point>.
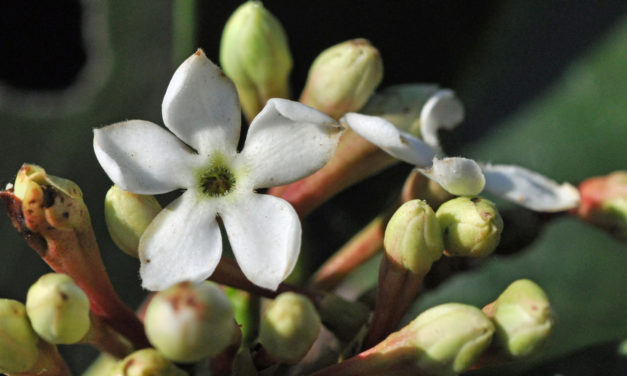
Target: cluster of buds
<point>228,325</point>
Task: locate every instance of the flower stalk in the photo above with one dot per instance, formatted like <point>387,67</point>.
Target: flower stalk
<point>444,340</point>
<point>50,214</point>
<point>412,243</point>
<point>369,241</point>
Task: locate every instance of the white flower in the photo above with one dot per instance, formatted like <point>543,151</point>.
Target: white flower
<point>462,176</point>
<point>285,142</point>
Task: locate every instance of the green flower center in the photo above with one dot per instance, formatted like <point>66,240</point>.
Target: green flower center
<point>216,181</point>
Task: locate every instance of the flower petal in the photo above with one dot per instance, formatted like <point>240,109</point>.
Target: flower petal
<point>288,141</point>
<point>201,106</point>
<point>142,157</point>
<point>458,176</point>
<point>442,110</point>
<point>183,243</point>
<point>265,234</point>
<point>529,189</point>
<point>395,142</point>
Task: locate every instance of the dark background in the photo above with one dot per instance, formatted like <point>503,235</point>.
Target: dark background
<point>543,83</point>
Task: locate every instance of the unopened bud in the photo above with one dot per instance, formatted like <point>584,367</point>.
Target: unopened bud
<point>604,202</point>
<point>58,309</point>
<point>254,54</point>
<point>146,362</point>
<point>18,341</point>
<point>413,239</point>
<point>127,215</point>
<point>188,322</point>
<point>48,198</point>
<point>446,339</point>
<point>33,173</point>
<point>471,226</point>
<point>458,176</point>
<point>523,318</point>
<point>289,327</point>
<point>103,365</point>
<point>343,77</point>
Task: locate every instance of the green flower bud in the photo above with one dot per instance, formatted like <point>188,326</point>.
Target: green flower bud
<point>146,362</point>
<point>343,77</point>
<point>255,55</point>
<point>58,309</point>
<point>446,339</point>
<point>18,341</point>
<point>471,226</point>
<point>33,173</point>
<point>523,318</point>
<point>413,239</point>
<point>188,322</point>
<point>289,327</point>
<point>103,365</point>
<point>127,215</point>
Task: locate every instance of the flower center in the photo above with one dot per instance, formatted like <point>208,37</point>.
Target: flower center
<point>217,181</point>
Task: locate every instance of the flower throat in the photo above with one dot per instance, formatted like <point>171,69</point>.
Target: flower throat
<point>217,181</point>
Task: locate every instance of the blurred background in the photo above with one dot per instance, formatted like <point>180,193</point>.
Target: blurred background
<point>544,84</point>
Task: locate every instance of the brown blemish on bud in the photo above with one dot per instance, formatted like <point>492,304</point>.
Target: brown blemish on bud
<point>184,297</point>
<point>49,196</point>
<point>486,215</point>
<point>475,199</point>
<point>128,365</point>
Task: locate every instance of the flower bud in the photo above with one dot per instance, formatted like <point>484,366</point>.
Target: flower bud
<point>289,327</point>
<point>446,339</point>
<point>471,226</point>
<point>188,322</point>
<point>18,341</point>
<point>103,365</point>
<point>127,215</point>
<point>58,309</point>
<point>48,198</point>
<point>343,77</point>
<point>523,318</point>
<point>604,202</point>
<point>33,173</point>
<point>413,239</point>
<point>255,55</point>
<point>457,175</point>
<point>146,362</point>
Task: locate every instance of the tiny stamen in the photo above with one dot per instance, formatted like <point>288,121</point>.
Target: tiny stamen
<point>217,181</point>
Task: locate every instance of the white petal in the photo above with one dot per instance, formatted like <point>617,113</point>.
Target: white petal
<point>529,189</point>
<point>142,157</point>
<point>183,243</point>
<point>265,234</point>
<point>385,135</point>
<point>442,110</point>
<point>201,106</point>
<point>288,141</point>
<point>459,176</point>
